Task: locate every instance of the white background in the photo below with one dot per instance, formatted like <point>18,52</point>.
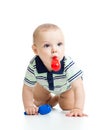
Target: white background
<point>87,28</point>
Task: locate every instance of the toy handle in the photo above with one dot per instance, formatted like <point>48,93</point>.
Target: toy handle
<point>43,109</point>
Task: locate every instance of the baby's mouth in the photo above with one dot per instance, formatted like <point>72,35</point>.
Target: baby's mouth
<point>55,64</point>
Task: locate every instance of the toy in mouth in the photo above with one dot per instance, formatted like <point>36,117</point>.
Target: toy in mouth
<point>55,64</point>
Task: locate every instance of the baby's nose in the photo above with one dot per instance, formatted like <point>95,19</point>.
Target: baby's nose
<point>54,50</point>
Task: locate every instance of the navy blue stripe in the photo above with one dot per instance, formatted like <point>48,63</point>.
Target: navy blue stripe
<point>50,80</point>
<point>69,65</point>
<point>75,76</point>
<point>30,70</point>
<point>41,77</point>
<point>34,66</point>
<point>30,82</point>
<point>60,77</point>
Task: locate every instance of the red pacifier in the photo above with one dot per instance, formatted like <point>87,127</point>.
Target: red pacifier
<point>55,64</point>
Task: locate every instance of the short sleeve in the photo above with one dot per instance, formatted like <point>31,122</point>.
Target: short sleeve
<point>30,78</point>
<point>72,70</point>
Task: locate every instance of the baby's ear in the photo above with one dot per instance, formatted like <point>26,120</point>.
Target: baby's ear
<point>34,48</point>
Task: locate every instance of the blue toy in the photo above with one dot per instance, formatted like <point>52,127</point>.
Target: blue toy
<point>43,109</point>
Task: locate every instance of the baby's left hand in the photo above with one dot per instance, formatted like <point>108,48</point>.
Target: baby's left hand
<point>76,113</point>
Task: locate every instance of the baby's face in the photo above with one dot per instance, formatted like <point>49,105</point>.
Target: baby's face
<point>50,43</point>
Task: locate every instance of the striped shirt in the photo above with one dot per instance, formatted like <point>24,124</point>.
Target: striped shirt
<point>55,82</point>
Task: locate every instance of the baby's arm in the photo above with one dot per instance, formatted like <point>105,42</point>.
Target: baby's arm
<point>27,95</point>
<point>79,97</point>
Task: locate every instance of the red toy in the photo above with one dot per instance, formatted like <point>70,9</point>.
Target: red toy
<point>55,64</point>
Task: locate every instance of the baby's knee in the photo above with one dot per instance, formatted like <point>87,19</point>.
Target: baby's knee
<point>66,100</point>
<point>41,101</point>
<point>40,95</point>
<point>67,95</point>
<point>66,106</point>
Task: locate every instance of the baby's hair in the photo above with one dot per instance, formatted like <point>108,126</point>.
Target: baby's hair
<point>44,27</point>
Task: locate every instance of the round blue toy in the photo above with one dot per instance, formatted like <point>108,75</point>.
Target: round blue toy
<point>43,109</point>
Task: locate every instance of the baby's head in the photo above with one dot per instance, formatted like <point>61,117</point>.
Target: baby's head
<point>44,28</point>
<point>48,41</point>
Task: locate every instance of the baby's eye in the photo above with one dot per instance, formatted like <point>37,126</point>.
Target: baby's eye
<point>59,44</point>
<point>46,45</point>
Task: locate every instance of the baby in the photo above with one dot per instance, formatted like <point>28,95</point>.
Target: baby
<point>43,85</point>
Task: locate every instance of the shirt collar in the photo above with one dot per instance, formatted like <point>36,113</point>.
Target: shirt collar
<point>42,69</point>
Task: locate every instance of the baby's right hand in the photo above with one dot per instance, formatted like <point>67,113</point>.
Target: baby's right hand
<point>31,110</point>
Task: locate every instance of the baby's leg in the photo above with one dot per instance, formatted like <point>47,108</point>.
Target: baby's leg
<point>42,96</point>
<point>66,100</point>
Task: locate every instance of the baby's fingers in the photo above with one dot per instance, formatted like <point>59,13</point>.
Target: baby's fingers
<point>75,114</point>
<point>31,110</point>
<point>69,114</point>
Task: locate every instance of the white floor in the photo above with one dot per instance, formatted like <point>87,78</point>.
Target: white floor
<point>56,120</point>
<point>13,118</point>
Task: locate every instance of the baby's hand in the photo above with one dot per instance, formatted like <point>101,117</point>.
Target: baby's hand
<point>31,110</point>
<point>76,113</point>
